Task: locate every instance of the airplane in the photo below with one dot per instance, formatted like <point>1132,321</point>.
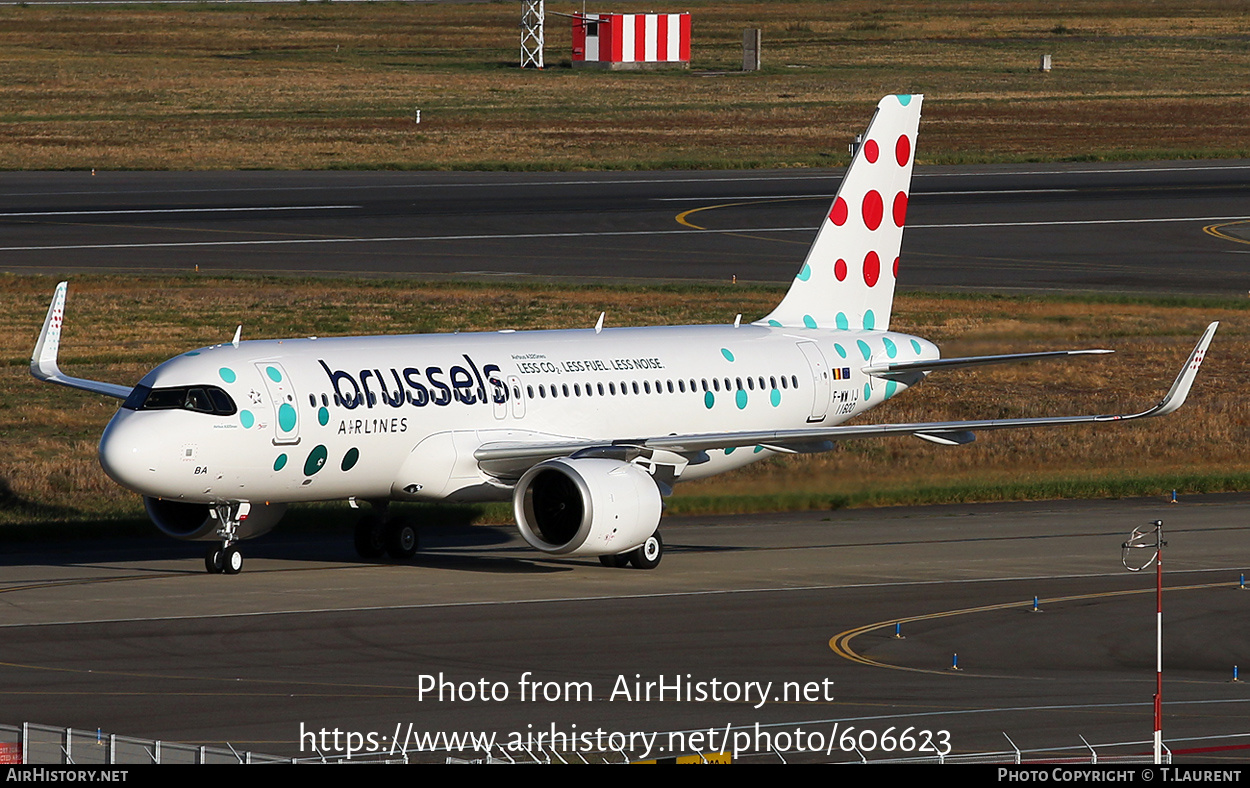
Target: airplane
<point>583,430</point>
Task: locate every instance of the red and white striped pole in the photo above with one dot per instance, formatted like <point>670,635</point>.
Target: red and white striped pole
<point>1136,541</point>
<point>1159,642</point>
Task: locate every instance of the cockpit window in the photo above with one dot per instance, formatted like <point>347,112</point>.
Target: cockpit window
<point>201,399</point>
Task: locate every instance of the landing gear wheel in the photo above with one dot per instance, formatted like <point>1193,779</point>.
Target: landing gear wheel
<point>232,560</point>
<point>401,539</point>
<point>212,560</point>
<point>369,537</point>
<point>615,561</point>
<point>649,554</point>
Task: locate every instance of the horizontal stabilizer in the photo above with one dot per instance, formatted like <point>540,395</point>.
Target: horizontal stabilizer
<point>904,368</point>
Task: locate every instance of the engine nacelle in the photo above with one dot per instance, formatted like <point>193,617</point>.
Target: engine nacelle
<point>194,521</point>
<point>586,506</point>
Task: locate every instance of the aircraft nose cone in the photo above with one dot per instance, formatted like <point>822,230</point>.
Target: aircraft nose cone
<point>127,455</point>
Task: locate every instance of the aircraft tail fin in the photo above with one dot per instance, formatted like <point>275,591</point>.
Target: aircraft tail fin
<point>847,280</point>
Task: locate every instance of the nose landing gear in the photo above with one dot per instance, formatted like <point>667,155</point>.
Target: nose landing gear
<point>226,558</point>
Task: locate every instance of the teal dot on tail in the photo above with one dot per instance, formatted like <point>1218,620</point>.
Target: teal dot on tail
<point>286,417</point>
<point>227,374</point>
<point>246,419</point>
<point>806,273</point>
<point>842,323</point>
<point>708,400</point>
<point>904,99</point>
<point>279,463</point>
<point>775,397</point>
<point>323,416</point>
<point>741,399</point>
<point>725,352</point>
<point>915,346</point>
<point>870,320</point>
<point>809,321</point>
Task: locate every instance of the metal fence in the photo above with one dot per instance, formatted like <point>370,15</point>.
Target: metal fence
<point>46,744</point>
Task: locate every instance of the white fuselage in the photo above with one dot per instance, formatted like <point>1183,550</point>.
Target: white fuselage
<point>399,417</point>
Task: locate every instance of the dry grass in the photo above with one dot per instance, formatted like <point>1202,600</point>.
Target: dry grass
<point>116,331</point>
<point>323,85</point>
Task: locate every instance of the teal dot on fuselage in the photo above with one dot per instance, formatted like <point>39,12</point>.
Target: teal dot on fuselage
<point>758,449</point>
<point>725,352</point>
<point>809,321</point>
<point>775,397</point>
<point>316,460</point>
<point>279,463</point>
<point>890,349</point>
<point>891,386</point>
<point>806,273</point>
<point>246,419</point>
<point>192,353</point>
<point>323,416</point>
<point>915,346</point>
<point>227,374</point>
<point>775,323</point>
<point>730,450</point>
<point>286,417</point>
<point>741,398</point>
<point>841,350</point>
<point>273,374</point>
<point>867,392</point>
<point>870,320</point>
<point>708,400</point>
<point>864,349</point>
<point>841,322</point>
<point>349,459</point>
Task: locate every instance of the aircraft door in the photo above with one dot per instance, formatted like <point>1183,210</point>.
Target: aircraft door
<point>820,377</point>
<point>498,394</point>
<point>517,396</point>
<point>285,407</point>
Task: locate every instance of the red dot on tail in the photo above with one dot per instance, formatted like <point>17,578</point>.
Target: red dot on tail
<point>902,150</point>
<point>896,268</point>
<point>839,212</point>
<point>900,208</point>
<point>839,269</point>
<point>871,152</point>
<point>872,269</point>
<point>873,209</point>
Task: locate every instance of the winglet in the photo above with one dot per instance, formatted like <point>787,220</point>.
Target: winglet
<point>43,363</point>
<point>43,359</point>
<point>1180,388</point>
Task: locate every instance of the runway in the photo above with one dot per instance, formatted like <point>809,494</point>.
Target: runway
<point>135,638</point>
<point>1159,228</point>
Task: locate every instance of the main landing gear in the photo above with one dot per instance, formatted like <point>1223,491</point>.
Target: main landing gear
<point>226,558</point>
<point>645,556</point>
<point>379,534</point>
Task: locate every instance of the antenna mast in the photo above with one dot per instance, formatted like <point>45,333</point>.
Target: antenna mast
<point>532,37</point>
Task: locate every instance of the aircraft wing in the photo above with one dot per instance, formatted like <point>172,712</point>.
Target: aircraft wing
<point>802,441</point>
<point>43,363</point>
